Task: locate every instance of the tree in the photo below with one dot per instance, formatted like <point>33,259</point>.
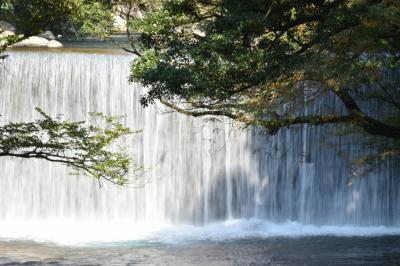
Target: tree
<point>89,148</point>
<point>261,62</point>
<point>86,17</point>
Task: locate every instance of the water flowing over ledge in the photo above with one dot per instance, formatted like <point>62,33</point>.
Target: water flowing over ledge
<point>220,181</point>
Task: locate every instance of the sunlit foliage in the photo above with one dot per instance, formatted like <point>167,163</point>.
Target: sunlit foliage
<point>261,62</point>
<point>94,148</point>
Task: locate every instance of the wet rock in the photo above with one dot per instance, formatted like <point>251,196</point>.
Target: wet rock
<point>33,41</point>
<point>47,35</point>
<point>5,26</point>
<point>119,23</point>
<point>198,31</point>
<point>54,44</point>
<point>6,33</point>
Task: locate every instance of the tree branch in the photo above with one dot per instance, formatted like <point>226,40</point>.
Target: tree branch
<point>85,148</point>
<point>271,125</point>
<point>364,121</point>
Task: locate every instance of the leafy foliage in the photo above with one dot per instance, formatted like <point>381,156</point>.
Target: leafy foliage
<point>93,18</point>
<point>261,61</point>
<point>87,17</point>
<point>88,148</point>
<point>5,42</point>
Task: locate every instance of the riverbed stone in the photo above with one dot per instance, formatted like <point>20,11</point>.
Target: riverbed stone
<point>33,41</point>
<point>47,35</point>
<point>5,26</point>
<point>6,33</point>
<point>54,44</point>
<point>119,23</point>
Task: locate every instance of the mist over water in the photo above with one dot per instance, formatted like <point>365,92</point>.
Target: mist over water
<point>205,179</point>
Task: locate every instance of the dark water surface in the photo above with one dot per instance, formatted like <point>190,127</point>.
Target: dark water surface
<point>275,251</point>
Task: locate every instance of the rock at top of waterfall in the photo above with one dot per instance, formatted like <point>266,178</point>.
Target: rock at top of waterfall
<point>54,44</point>
<point>119,23</point>
<point>33,41</point>
<point>47,35</point>
<point>6,33</point>
<point>5,26</point>
<point>198,31</point>
<point>6,30</point>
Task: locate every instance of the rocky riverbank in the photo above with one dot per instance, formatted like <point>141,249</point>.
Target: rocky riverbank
<point>45,39</point>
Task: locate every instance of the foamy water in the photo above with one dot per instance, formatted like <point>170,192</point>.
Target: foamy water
<point>78,233</point>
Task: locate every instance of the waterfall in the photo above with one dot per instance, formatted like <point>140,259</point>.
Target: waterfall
<point>198,171</point>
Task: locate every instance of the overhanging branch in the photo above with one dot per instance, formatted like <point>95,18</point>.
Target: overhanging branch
<point>361,119</point>
<point>271,125</point>
<point>198,113</point>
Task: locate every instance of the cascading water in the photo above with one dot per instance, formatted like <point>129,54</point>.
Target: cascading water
<point>199,173</point>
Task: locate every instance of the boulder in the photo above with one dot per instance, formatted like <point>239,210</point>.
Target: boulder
<point>54,44</point>
<point>33,41</point>
<point>196,30</point>
<point>47,35</point>
<point>6,33</point>
<point>119,23</point>
<point>5,26</point>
